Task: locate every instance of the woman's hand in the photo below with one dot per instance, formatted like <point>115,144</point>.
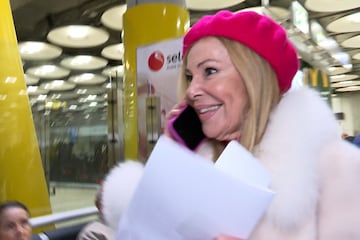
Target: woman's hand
<point>175,111</point>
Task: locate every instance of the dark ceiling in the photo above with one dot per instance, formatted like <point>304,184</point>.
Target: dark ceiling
<point>326,18</point>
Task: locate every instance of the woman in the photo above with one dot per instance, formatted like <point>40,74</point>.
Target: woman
<point>237,70</point>
<point>14,221</point>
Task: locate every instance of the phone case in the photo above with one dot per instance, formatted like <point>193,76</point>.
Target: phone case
<point>186,128</point>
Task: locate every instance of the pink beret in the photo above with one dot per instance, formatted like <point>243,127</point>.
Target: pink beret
<point>258,32</point>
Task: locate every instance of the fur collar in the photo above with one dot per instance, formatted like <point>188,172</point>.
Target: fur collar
<point>298,129</point>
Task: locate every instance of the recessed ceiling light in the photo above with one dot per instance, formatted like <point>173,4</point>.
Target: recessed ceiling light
<point>115,71</point>
<point>112,18</point>
<point>78,36</point>
<point>348,89</point>
<point>90,90</point>
<point>343,77</point>
<point>331,5</point>
<point>356,56</point>
<point>202,5</point>
<point>115,51</point>
<point>57,85</point>
<point>48,71</point>
<point>348,23</point>
<point>87,79</point>
<point>35,90</point>
<point>338,70</point>
<point>345,84</point>
<point>353,42</point>
<point>84,62</point>
<point>33,50</point>
<point>63,96</point>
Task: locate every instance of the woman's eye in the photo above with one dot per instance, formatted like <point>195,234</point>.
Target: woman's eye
<point>209,71</point>
<point>188,77</point>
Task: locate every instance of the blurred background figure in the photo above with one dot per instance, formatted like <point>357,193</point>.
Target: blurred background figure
<point>349,138</point>
<point>97,230</point>
<point>356,140</point>
<point>14,221</point>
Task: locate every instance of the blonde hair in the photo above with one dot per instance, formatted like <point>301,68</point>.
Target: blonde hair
<point>261,85</point>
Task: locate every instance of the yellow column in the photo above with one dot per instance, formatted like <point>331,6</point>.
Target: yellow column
<point>145,24</point>
<point>21,172</point>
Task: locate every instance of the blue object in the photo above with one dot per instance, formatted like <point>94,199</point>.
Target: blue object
<point>356,140</point>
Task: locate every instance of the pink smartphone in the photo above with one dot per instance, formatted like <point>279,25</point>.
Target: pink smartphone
<point>186,128</point>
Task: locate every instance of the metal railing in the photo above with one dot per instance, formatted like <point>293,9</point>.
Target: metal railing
<point>62,217</point>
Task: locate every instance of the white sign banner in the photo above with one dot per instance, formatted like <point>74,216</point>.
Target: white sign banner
<point>157,72</point>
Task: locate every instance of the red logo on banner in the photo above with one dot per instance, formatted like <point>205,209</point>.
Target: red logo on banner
<point>156,61</point>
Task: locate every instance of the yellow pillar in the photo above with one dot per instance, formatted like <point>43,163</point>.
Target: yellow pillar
<point>21,172</point>
<point>145,24</point>
<point>319,80</point>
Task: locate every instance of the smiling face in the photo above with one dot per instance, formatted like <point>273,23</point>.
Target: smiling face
<point>14,224</point>
<point>216,90</point>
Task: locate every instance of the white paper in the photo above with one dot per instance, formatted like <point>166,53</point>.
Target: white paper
<point>183,196</point>
<point>238,162</point>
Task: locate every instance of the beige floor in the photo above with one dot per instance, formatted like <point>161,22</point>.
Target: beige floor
<point>72,197</point>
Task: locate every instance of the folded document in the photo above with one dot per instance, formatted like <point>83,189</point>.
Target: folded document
<point>183,196</point>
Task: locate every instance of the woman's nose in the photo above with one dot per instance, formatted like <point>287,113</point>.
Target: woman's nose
<point>194,90</point>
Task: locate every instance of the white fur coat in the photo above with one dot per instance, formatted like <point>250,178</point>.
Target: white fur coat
<point>118,188</point>
<point>314,173</point>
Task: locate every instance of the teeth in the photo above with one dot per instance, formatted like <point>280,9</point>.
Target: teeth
<point>204,110</point>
